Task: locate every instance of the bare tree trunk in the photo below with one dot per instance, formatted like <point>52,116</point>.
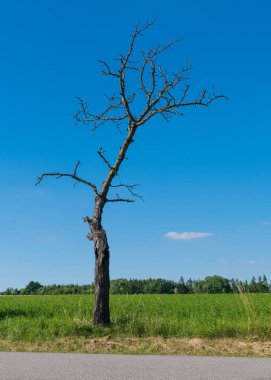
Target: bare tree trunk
<point>101,314</point>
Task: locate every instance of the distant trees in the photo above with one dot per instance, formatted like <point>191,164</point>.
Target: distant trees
<point>31,288</point>
<point>211,284</point>
<point>11,292</point>
<point>182,287</point>
<point>216,284</point>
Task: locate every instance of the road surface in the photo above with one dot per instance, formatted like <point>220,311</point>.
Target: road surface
<point>47,366</point>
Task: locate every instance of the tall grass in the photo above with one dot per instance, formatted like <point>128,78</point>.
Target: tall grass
<point>33,318</point>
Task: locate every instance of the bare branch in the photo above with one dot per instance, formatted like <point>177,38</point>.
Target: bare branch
<point>172,106</point>
<point>164,93</point>
<point>120,157</point>
<point>184,94</point>
<point>148,60</point>
<point>101,154</point>
<point>108,72</point>
<point>120,200</point>
<point>130,188</point>
<point>138,31</point>
<point>124,97</point>
<point>125,61</point>
<point>76,167</point>
<point>84,116</point>
<point>74,176</point>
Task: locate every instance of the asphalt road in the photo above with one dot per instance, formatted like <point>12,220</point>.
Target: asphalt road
<point>39,366</point>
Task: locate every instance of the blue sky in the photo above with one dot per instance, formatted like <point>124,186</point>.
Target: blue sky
<point>207,173</point>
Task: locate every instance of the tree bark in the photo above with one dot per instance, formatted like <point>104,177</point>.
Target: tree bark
<point>101,314</point>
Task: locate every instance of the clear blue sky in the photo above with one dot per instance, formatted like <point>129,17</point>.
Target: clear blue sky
<point>208,172</point>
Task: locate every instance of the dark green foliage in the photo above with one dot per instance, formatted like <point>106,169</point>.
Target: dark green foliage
<point>31,288</point>
<point>211,284</point>
<point>216,284</point>
<point>182,287</point>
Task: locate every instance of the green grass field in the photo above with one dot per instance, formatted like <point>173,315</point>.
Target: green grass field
<point>41,318</point>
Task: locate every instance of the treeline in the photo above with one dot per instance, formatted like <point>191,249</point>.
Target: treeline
<point>211,284</point>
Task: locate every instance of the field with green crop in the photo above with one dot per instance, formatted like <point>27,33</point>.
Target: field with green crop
<point>50,318</point>
<point>210,316</point>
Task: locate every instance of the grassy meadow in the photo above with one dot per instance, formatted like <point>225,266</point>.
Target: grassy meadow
<point>64,322</point>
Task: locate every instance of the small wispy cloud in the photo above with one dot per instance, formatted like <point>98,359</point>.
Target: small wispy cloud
<point>267,222</point>
<point>187,235</point>
<point>250,262</point>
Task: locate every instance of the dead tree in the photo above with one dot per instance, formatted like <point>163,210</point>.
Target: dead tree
<point>160,94</point>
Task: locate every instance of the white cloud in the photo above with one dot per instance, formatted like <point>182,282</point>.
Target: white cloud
<point>268,222</point>
<point>250,262</point>
<point>187,235</point>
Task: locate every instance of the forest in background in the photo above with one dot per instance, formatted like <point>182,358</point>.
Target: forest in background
<point>210,285</point>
